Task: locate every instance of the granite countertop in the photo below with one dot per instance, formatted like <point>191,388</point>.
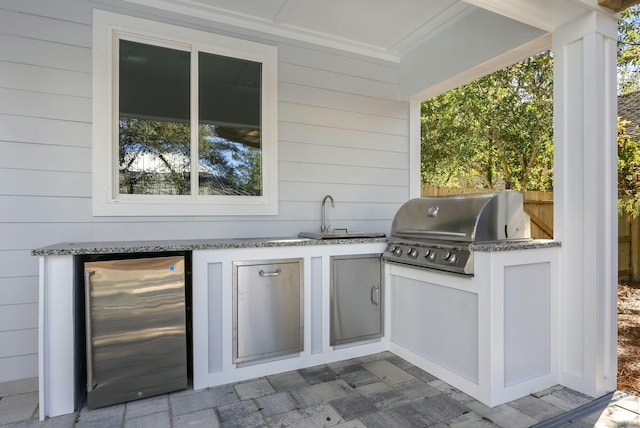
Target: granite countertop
<point>124,247</point>
<point>529,244</point>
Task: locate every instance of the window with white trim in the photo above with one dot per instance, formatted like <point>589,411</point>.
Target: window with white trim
<point>185,121</point>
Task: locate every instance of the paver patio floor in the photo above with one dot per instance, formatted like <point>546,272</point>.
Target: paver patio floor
<point>380,390</point>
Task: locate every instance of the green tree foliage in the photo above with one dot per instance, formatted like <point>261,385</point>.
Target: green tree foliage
<point>497,129</point>
<point>225,166</point>
<point>629,50</point>
<point>628,171</point>
<point>628,82</point>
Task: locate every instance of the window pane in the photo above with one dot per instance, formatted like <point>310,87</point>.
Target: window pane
<point>230,141</point>
<point>154,133</point>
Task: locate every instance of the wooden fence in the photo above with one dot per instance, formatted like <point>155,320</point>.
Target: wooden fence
<point>539,206</point>
<point>628,248</point>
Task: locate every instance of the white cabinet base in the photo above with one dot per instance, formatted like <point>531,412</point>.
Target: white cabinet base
<point>212,313</point>
<point>493,336</point>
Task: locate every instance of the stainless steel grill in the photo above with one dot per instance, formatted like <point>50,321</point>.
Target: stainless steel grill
<point>438,232</point>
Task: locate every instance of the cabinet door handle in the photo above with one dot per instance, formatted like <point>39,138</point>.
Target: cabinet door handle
<point>87,318</point>
<point>375,295</point>
<point>272,273</point>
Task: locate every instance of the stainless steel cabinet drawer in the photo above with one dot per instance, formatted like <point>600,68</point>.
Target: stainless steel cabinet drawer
<point>267,309</point>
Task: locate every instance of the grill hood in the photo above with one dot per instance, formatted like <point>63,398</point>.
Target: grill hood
<point>468,218</point>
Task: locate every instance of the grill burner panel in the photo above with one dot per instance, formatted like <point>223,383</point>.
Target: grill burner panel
<point>450,258</point>
<point>437,232</point>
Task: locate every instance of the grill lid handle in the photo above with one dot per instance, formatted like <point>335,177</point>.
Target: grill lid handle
<point>409,232</point>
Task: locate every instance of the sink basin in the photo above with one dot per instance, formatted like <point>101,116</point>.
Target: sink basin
<point>340,235</point>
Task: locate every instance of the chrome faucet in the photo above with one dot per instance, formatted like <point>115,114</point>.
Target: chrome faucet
<point>323,227</point>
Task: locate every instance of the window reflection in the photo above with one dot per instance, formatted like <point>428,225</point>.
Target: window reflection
<point>230,161</point>
<point>154,157</point>
<point>154,123</point>
<point>154,133</point>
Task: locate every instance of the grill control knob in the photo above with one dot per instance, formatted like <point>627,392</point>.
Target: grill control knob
<point>396,250</point>
<point>412,252</point>
<point>450,257</point>
<point>430,255</point>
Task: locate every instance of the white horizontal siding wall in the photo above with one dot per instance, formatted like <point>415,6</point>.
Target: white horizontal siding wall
<point>341,129</point>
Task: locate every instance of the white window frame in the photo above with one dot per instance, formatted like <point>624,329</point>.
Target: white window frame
<point>106,200</point>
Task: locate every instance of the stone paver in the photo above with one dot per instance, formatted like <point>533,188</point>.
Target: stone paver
<point>244,414</point>
<point>470,420</point>
<point>384,419</point>
<point>111,416</point>
<point>321,392</point>
<point>389,399</point>
<point>291,419</point>
<point>614,416</point>
<point>222,395</point>
<point>439,408</point>
<point>416,390</point>
<point>388,372</point>
<point>203,418</point>
<point>442,386</point>
<point>356,423</point>
<point>566,399</point>
<point>502,415</point>
<point>253,389</point>
<point>318,374</point>
<point>64,421</point>
<point>408,415</point>
<point>321,415</point>
<point>418,373</point>
<point>375,391</point>
<point>19,407</point>
<point>277,403</point>
<point>629,402</point>
<point>339,365</point>
<point>156,420</point>
<point>356,375</point>
<point>287,381</point>
<point>539,410</point>
<point>352,407</point>
<point>148,406</point>
<point>182,404</point>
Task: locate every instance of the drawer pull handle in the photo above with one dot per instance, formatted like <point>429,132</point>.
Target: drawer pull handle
<point>87,316</point>
<point>272,273</point>
<point>375,295</point>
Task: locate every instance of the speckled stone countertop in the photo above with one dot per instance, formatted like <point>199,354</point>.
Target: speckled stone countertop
<point>123,247</point>
<point>532,244</point>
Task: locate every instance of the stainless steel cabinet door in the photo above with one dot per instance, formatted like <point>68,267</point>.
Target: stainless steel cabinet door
<point>356,298</point>
<point>267,305</point>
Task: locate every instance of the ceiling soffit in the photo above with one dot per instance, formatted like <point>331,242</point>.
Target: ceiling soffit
<point>380,29</point>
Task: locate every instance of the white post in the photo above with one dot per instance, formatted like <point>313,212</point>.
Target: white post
<point>585,109</point>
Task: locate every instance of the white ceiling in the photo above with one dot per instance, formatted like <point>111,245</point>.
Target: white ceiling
<point>378,28</point>
<point>370,24</point>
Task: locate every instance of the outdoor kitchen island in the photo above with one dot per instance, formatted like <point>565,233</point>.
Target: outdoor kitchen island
<point>492,335</point>
<point>498,324</point>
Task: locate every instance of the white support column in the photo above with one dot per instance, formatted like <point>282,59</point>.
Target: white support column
<point>415,159</point>
<point>585,216</point>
